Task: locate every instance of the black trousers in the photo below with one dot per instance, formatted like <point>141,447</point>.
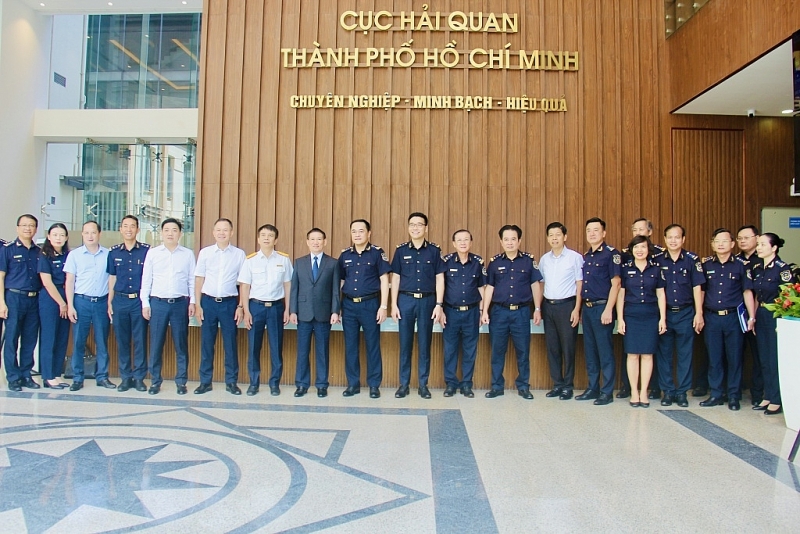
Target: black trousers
<point>560,337</point>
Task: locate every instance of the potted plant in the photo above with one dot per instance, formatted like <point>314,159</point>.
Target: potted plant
<point>786,309</point>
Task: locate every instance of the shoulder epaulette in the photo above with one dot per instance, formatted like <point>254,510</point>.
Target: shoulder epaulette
<point>401,244</point>
<point>282,253</point>
<point>745,262</point>
<point>447,258</point>
<point>708,258</point>
<point>8,244</point>
<point>780,263</point>
<point>659,247</point>
<point>625,250</point>
<point>434,244</point>
<point>145,245</point>
<point>692,255</point>
<point>376,246</point>
<point>345,249</point>
<point>528,254</point>
<point>478,258</point>
<point>117,246</point>
<point>252,255</point>
<point>496,256</point>
<point>628,263</point>
<point>610,248</point>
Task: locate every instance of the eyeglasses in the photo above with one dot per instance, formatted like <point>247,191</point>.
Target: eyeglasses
<point>416,225</point>
<point>721,241</point>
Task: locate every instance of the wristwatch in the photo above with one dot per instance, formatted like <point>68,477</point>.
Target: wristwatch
<point>439,304</point>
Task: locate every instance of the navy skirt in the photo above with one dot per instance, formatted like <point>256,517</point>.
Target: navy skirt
<point>641,328</point>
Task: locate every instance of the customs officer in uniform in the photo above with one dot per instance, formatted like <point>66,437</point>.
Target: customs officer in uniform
<point>683,277</point>
<point>601,284</point>
<point>54,333</point>
<point>728,285</point>
<point>512,286</point>
<point>417,299</point>
<point>19,303</point>
<point>365,290</point>
<point>217,305</point>
<point>265,278</point>
<point>125,267</point>
<point>562,273</point>
<point>465,279</point>
<point>746,240</point>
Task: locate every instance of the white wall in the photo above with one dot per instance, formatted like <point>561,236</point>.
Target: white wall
<point>66,59</point>
<point>24,73</point>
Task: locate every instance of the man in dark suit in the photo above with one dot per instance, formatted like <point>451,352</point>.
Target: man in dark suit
<point>314,307</point>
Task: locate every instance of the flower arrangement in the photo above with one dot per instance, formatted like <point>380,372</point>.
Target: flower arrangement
<point>788,302</point>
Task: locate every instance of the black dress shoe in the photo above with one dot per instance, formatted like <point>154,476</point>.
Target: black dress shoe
<point>654,394</point>
<point>274,391</point>
<point>682,401</point>
<point>734,405</point>
<point>233,389</point>
<point>17,386</point>
<point>401,392</point>
<point>58,385</point>
<point>555,392</point>
<point>644,404</point>
<point>106,383</point>
<point>760,407</point>
<point>699,392</point>
<point>755,401</point>
<point>635,404</point>
<point>154,390</point>
<point>566,394</point>
<point>125,384</point>
<point>75,386</point>
<point>374,393</point>
<point>623,393</point>
<point>252,390</point>
<point>587,395</point>
<point>139,385</point>
<point>776,411</point>
<point>667,400</point>
<point>300,391</point>
<point>606,398</point>
<point>322,392</point>
<point>492,393</point>
<point>30,383</point>
<point>203,388</point>
<point>525,393</point>
<point>467,392</point>
<point>424,392</point>
<point>181,388</point>
<point>712,401</point>
<point>449,391</point>
<point>351,390</point>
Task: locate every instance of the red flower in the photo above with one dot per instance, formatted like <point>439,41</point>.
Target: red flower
<point>786,304</point>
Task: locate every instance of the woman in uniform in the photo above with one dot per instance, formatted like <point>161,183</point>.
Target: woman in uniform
<point>768,273</point>
<point>641,315</point>
<point>54,332</point>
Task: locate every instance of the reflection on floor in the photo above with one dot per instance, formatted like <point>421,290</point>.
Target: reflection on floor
<point>99,461</point>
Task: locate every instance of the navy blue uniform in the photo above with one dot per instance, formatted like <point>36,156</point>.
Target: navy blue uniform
<point>361,291</point>
<point>22,285</point>
<point>681,276</point>
<point>54,333</point>
<point>510,314</point>
<point>751,343</point>
<point>462,301</point>
<point>129,324</point>
<point>725,285</point>
<point>418,268</point>
<point>640,312</point>
<point>766,288</point>
<point>599,268</point>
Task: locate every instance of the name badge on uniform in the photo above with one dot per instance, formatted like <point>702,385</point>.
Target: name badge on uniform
<point>631,272</point>
<point>280,267</point>
<point>118,260</point>
<point>17,256</point>
<point>348,261</point>
<point>406,257</point>
<point>501,268</point>
<point>710,272</point>
<point>453,270</point>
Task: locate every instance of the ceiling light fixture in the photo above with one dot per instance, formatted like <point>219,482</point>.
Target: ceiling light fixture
<point>41,4</point>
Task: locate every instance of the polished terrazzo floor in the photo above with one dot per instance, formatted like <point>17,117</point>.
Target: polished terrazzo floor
<point>98,461</point>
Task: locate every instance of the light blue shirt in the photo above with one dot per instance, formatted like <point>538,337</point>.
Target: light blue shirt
<point>561,273</point>
<point>91,278</point>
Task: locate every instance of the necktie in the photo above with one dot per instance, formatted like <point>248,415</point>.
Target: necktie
<point>315,269</point>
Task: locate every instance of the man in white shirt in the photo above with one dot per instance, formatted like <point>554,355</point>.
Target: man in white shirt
<point>87,302</point>
<point>216,296</point>
<point>168,286</point>
<point>562,270</point>
<point>265,280</point>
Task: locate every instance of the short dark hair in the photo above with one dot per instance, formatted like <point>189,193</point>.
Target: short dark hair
<point>223,219</point>
<point>675,225</point>
<point>748,227</point>
<point>315,229</point>
<point>97,224</point>
<point>172,220</point>
<point>645,220</point>
<point>420,215</point>
<point>269,228</point>
<point>366,223</point>
<point>28,216</point>
<point>514,227</point>
<point>553,226</point>
<point>774,240</point>
<point>462,230</point>
<point>131,217</point>
<point>48,249</point>
<point>718,231</point>
<point>638,240</point>
<point>596,220</point>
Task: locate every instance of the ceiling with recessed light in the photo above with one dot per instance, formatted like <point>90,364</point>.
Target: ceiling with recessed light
<point>90,7</point>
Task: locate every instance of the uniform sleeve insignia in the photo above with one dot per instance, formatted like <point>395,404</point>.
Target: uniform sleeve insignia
<point>252,255</point>
<point>617,259</point>
<point>786,276</point>
<point>698,266</point>
<point>484,271</point>
<point>750,276</point>
<point>383,255</point>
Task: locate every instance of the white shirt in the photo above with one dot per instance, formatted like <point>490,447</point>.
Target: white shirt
<point>561,273</point>
<point>91,278</point>
<point>168,275</point>
<point>266,275</point>
<point>220,268</point>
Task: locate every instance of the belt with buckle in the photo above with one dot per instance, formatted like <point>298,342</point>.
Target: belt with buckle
<point>589,303</point>
<point>170,301</point>
<point>26,293</point>
<point>417,295</point>
<point>514,307</point>
<point>677,308</point>
<point>127,295</point>
<point>462,308</point>
<point>721,312</point>
<point>91,298</point>
<point>220,299</point>
<point>365,297</point>
<point>559,301</point>
<point>266,303</point>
